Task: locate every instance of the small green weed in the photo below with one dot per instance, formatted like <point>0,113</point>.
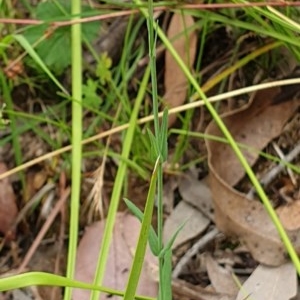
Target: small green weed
<point>53,44</point>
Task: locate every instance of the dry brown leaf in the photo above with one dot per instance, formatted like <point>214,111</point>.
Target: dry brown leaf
<point>169,195</point>
<point>197,193</point>
<point>120,258</point>
<point>270,283</point>
<point>256,125</point>
<point>8,211</point>
<point>290,215</point>
<point>185,45</point>
<point>220,278</point>
<point>184,290</point>
<point>194,223</point>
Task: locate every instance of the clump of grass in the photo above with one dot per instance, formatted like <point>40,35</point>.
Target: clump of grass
<point>260,22</point>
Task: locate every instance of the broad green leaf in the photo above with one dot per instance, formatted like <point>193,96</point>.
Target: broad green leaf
<point>28,48</point>
<point>55,49</point>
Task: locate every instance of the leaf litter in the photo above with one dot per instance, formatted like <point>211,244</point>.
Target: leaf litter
<point>9,210</point>
<point>120,258</point>
<point>184,41</point>
<point>196,195</point>
<point>276,283</point>
<point>256,124</point>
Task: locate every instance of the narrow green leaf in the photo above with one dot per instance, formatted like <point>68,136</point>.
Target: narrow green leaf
<point>143,237</point>
<point>29,49</point>
<point>164,136</point>
<point>153,239</point>
<point>48,279</point>
<point>154,148</point>
<point>171,240</point>
<point>119,180</point>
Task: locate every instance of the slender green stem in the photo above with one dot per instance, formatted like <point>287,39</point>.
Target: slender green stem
<point>48,279</point>
<point>76,141</point>
<point>152,56</point>
<point>115,197</point>
<point>140,252</point>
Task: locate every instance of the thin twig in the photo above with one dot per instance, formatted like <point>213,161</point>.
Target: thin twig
<point>273,173</point>
<point>44,229</point>
<point>185,107</point>
<point>283,158</point>
<point>61,235</point>
<point>193,251</point>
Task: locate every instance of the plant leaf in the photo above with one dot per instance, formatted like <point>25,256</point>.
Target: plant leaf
<point>164,136</point>
<point>143,237</point>
<point>55,48</point>
<point>153,239</point>
<point>28,48</point>
<point>154,147</point>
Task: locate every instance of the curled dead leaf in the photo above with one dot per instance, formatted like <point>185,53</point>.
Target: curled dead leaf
<point>255,125</point>
<point>290,215</point>
<point>8,207</point>
<point>270,283</point>
<point>184,42</point>
<point>220,278</point>
<point>195,223</point>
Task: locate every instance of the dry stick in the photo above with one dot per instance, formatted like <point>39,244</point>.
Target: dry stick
<point>283,158</point>
<point>144,120</point>
<point>271,175</point>
<point>44,229</point>
<point>193,251</point>
<point>32,202</point>
<point>61,235</point>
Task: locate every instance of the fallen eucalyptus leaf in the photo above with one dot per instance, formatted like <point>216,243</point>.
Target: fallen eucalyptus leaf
<point>184,42</point>
<point>254,125</point>
<point>195,223</point>
<point>289,215</point>
<point>220,278</point>
<point>9,210</point>
<point>197,193</point>
<point>120,258</point>
<point>278,283</point>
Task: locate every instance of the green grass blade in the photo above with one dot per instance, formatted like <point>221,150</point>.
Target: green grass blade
<point>115,198</point>
<point>13,125</point>
<point>76,143</point>
<point>29,49</point>
<point>153,242</point>
<point>154,147</point>
<point>164,136</point>
<point>171,241</point>
<point>143,238</point>
<point>48,279</point>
